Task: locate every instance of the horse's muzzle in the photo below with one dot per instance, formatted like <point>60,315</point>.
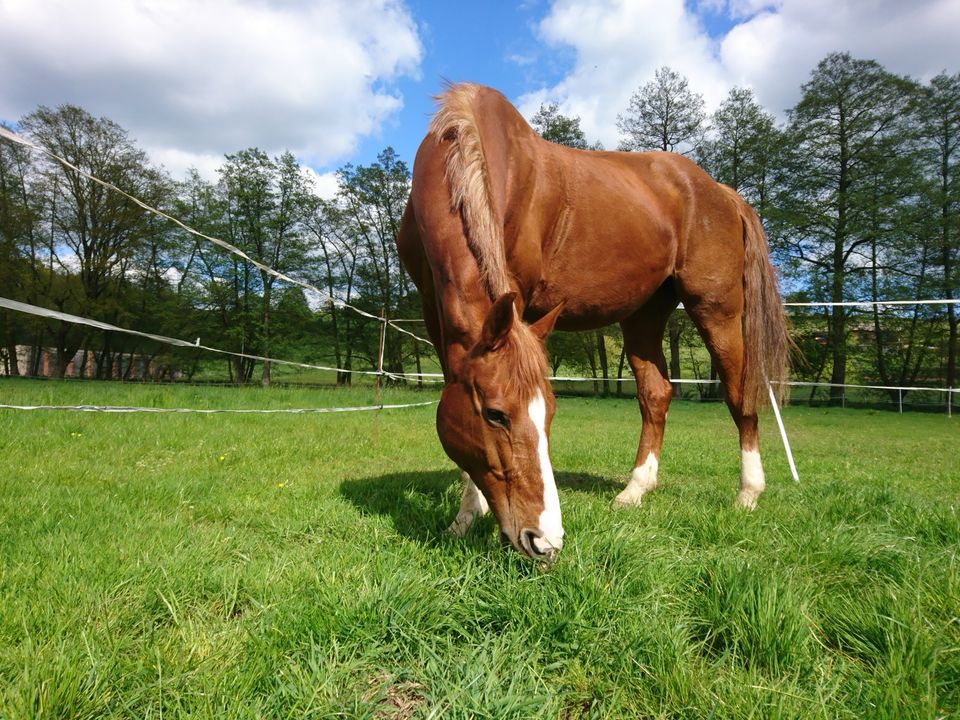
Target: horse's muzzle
<point>537,546</point>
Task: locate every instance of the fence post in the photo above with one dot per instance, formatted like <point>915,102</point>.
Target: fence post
<point>900,399</point>
<point>950,401</point>
<point>380,350</point>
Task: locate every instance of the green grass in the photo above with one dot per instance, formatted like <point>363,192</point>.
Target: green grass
<point>295,566</point>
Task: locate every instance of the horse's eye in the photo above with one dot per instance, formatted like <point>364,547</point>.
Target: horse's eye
<point>496,417</point>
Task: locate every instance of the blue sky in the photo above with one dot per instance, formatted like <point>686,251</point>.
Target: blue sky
<point>491,43</point>
<point>336,81</point>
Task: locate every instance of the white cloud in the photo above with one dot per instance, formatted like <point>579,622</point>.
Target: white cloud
<point>325,185</point>
<point>193,80</point>
<point>772,47</point>
<point>775,51</point>
<point>619,44</point>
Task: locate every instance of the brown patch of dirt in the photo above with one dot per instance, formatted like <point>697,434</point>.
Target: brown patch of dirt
<point>399,700</point>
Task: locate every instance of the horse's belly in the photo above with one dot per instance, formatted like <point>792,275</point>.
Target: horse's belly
<point>599,288</point>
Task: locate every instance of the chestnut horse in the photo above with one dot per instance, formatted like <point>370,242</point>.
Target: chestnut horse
<point>504,228</point>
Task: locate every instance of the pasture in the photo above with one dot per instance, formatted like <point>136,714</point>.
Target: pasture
<point>296,566</point>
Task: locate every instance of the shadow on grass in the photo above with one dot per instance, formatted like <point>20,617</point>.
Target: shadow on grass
<point>423,504</point>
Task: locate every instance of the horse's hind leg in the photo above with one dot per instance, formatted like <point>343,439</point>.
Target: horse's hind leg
<point>721,330</point>
<point>643,341</point>
<point>472,505</point>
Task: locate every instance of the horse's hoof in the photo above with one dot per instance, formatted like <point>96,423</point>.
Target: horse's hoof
<point>624,501</point>
<point>747,500</point>
<point>458,528</point>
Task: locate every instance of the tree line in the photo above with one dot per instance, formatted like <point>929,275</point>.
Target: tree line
<point>859,190</point>
<point>70,244</point>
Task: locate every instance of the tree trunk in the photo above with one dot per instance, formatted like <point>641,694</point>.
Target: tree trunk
<point>265,377</point>
<point>623,357</point>
<point>673,329</point>
<point>952,320</point>
<point>838,330</point>
<point>11,345</point>
<point>416,359</point>
<point>602,357</point>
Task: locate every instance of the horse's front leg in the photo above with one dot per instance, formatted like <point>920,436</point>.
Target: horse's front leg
<point>654,395</point>
<point>472,505</point>
<point>642,335</point>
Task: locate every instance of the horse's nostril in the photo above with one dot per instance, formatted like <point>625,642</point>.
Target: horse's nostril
<point>528,538</point>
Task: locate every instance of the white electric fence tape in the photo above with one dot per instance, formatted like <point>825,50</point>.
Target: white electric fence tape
<point>783,433</point>
<point>871,303</point>
<point>66,317</point>
<point>428,377</point>
<point>292,411</point>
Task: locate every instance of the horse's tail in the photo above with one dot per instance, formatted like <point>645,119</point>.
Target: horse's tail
<point>766,340</point>
<point>468,178</point>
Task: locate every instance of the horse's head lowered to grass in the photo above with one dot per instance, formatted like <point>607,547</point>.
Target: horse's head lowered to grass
<point>494,422</point>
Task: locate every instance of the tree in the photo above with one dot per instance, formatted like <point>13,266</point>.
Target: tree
<point>664,114</point>
<point>742,150</point>
<point>371,202</point>
<point>739,154</point>
<point>266,203</point>
<point>18,229</point>
<point>336,272</point>
<point>558,128</point>
<point>841,130</point>
<point>95,232</point>
<point>940,131</point>
<point>552,125</point>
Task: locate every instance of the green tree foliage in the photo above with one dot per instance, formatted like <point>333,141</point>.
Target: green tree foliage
<point>370,204</point>
<point>266,202</point>
<point>939,112</point>
<point>18,240</point>
<point>95,234</point>
<point>843,135</point>
<point>558,128</point>
<point>743,147</point>
<point>585,352</point>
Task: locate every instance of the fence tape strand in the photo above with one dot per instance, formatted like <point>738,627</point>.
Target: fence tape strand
<point>216,411</point>
<point>14,137</point>
<point>67,317</point>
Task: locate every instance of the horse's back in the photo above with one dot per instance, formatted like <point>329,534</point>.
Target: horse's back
<point>628,222</point>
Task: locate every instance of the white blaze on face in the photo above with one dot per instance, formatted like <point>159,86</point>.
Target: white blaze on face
<point>550,524</point>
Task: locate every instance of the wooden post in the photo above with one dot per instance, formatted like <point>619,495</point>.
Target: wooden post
<point>380,349</point>
<point>379,401</point>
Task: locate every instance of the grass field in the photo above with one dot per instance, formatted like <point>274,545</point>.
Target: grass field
<point>295,566</point>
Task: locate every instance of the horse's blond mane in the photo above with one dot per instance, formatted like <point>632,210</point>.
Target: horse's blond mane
<point>523,353</point>
<point>528,360</point>
<point>469,183</point>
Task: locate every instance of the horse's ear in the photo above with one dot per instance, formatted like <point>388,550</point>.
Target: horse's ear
<point>544,326</point>
<point>499,321</point>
